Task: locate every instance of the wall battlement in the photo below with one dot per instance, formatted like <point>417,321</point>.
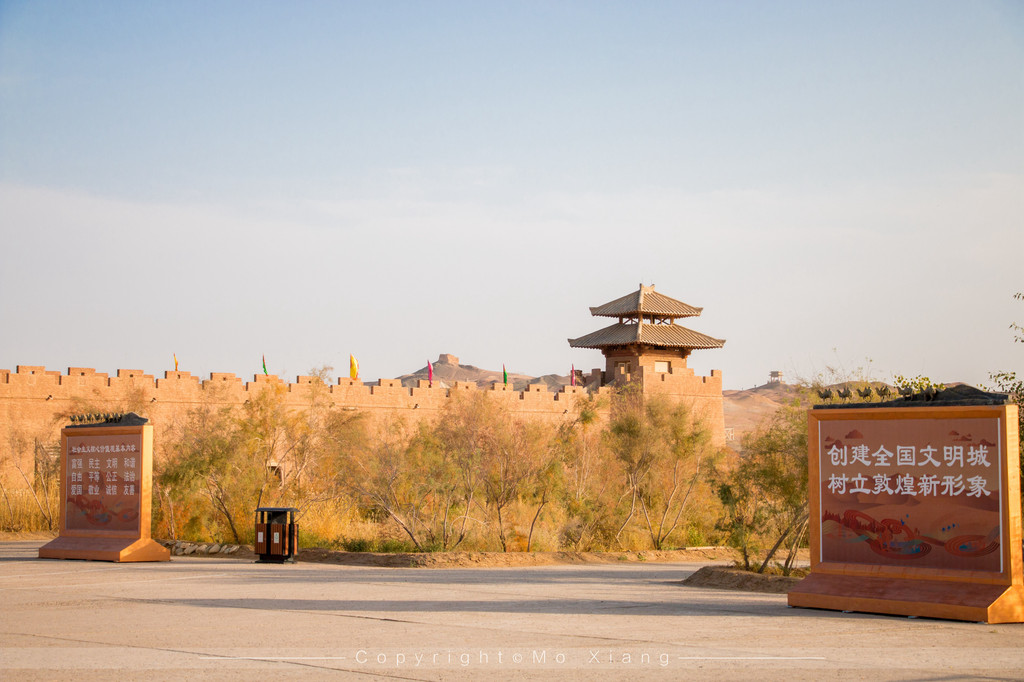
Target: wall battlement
<point>84,385</point>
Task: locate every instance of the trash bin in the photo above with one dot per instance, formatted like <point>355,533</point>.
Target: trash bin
<point>277,535</point>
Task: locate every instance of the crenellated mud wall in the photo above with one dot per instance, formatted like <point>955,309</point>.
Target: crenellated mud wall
<point>35,402</point>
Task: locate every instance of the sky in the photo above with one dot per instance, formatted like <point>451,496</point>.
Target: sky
<point>839,185</point>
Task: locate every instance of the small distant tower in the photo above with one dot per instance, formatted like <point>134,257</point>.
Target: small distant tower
<point>775,377</point>
<point>646,341</point>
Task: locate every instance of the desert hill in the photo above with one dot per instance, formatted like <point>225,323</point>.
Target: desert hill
<point>745,409</point>
<point>448,370</point>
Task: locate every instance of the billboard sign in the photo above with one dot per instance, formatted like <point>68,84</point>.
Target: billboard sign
<point>915,510</point>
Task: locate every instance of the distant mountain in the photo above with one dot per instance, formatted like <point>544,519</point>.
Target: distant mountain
<point>448,370</point>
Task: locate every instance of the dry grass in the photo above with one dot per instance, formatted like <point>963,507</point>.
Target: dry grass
<point>19,512</point>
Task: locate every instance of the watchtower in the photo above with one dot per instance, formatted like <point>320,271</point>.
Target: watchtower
<point>646,341</point>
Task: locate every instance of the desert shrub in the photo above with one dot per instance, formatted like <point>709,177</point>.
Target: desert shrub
<point>765,496</point>
<point>395,546</point>
<point>479,477</point>
<point>664,452</point>
<point>357,544</point>
<point>223,463</point>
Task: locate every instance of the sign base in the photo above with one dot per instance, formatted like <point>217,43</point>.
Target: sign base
<point>105,549</point>
<point>954,600</point>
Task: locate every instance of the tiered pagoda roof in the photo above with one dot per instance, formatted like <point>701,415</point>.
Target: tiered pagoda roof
<point>647,302</point>
<point>646,318</point>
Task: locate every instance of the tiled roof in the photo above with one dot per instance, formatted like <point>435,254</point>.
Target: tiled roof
<point>645,301</point>
<point>668,335</point>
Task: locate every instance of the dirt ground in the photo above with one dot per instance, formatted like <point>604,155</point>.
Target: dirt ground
<point>511,559</point>
<point>720,576</point>
<point>729,578</point>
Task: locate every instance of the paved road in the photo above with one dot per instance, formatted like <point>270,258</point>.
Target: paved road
<point>233,620</point>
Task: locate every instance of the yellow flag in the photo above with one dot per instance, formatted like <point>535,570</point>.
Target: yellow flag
<point>353,367</point>
<point>175,361</point>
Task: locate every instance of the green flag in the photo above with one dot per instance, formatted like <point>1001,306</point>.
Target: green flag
<point>265,365</point>
<point>504,373</point>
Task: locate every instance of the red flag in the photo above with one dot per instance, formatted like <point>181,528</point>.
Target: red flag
<point>573,379</point>
<point>430,373</point>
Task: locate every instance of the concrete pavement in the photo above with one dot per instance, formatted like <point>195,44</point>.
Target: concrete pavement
<point>229,619</point>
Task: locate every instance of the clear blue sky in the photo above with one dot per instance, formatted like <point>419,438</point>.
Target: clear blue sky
<point>836,183</point>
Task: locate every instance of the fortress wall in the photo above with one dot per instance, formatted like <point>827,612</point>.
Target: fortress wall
<point>35,403</point>
<point>702,393</point>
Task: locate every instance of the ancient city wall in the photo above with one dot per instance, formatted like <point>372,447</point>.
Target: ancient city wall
<point>703,393</point>
<point>35,402</point>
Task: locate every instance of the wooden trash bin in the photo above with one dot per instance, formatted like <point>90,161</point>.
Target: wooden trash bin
<point>277,535</point>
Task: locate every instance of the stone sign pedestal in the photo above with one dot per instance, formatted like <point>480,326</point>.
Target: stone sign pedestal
<point>105,549</point>
<point>952,599</point>
<point>106,493</point>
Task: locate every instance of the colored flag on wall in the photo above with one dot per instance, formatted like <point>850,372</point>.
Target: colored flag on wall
<point>353,367</point>
<point>175,361</point>
<point>265,365</point>
<point>430,373</point>
<point>504,374</point>
<point>572,379</point>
